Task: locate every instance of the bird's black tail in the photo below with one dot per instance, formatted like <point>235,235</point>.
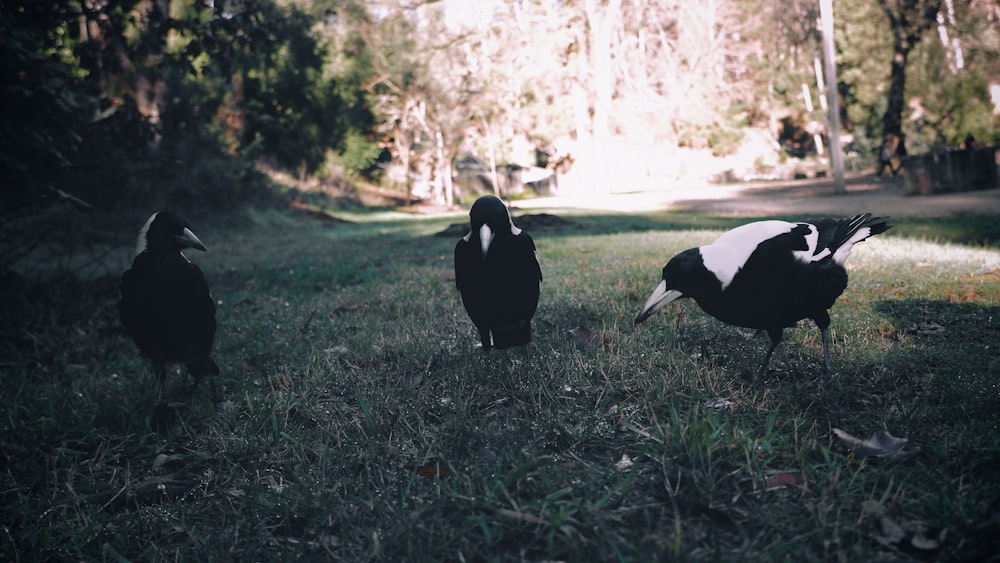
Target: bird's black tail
<point>847,228</point>
<point>203,367</point>
<point>836,233</point>
<point>509,336</point>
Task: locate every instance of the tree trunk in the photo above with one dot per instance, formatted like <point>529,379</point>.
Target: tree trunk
<point>150,87</point>
<point>892,121</point>
<point>908,19</point>
<point>593,92</point>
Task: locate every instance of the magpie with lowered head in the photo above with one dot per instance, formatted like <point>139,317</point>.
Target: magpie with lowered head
<point>498,274</point>
<point>768,275</point>
<point>165,303</point>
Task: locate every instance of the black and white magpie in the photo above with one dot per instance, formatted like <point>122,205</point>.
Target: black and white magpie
<point>498,274</point>
<point>165,303</point>
<point>768,275</point>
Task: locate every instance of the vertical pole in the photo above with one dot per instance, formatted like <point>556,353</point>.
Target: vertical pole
<point>833,104</point>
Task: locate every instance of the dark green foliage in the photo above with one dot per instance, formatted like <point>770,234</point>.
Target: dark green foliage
<point>44,106</point>
<point>148,99</point>
<point>118,109</point>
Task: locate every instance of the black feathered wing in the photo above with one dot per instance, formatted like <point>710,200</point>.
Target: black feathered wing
<point>775,288</point>
<point>168,310</point>
<point>500,293</point>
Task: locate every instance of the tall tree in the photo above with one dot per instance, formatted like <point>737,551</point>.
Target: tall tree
<point>908,20</point>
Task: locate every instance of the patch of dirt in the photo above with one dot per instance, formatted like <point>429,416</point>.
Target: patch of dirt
<point>531,222</point>
<point>813,197</point>
<point>316,212</point>
<point>863,194</point>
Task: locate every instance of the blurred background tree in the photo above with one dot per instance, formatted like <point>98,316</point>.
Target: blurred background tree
<point>133,104</point>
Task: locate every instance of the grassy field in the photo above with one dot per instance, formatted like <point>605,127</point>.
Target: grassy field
<point>361,423</point>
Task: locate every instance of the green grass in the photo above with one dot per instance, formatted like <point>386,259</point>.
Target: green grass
<point>363,425</point>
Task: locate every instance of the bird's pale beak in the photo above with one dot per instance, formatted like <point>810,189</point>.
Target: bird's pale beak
<point>188,240</point>
<point>485,238</point>
<point>660,297</point>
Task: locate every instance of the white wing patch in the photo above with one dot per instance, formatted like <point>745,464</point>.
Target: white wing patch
<point>812,240</point>
<point>140,243</point>
<point>727,255</point>
<point>752,234</point>
<point>840,256</point>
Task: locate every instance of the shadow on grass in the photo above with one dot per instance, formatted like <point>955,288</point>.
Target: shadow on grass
<point>954,343</point>
<point>944,324</point>
<point>981,231</point>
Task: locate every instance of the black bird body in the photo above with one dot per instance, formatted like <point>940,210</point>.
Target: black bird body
<point>498,275</point>
<point>165,303</point>
<point>768,275</point>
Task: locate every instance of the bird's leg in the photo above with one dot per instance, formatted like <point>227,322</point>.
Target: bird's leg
<point>204,370</point>
<point>160,371</point>
<point>194,387</point>
<point>826,348</point>
<point>525,353</point>
<point>775,335</point>
<point>822,320</point>
<point>216,398</point>
<point>485,338</point>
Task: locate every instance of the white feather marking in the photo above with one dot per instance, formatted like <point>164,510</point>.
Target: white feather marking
<point>727,255</point>
<point>468,236</point>
<point>754,233</point>
<point>840,256</point>
<point>514,230</point>
<point>485,238</point>
<point>806,256</point>
<point>140,243</point>
<point>821,255</point>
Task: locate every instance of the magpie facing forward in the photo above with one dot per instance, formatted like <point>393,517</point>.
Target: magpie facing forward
<point>165,304</point>
<point>768,275</point>
<point>498,274</point>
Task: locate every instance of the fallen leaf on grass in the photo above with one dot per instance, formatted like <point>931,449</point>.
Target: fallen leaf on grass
<point>432,470</point>
<point>522,516</point>
<point>911,535</point>
<point>924,543</point>
<point>624,463</point>
<point>719,403</point>
<point>925,328</point>
<point>967,297</point>
<point>448,275</point>
<point>487,458</point>
<point>338,350</point>
<point>782,480</point>
<point>163,459</point>
<point>881,444</point>
<point>584,336</point>
<point>892,533</point>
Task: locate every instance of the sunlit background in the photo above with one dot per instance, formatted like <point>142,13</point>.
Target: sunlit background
<point>435,101</point>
